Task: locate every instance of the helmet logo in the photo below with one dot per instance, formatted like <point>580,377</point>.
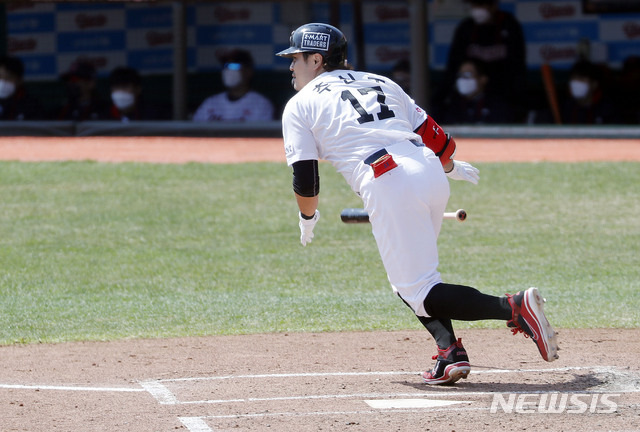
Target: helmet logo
<point>315,41</point>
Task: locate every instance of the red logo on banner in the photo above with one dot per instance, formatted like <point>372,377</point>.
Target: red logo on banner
<point>550,53</point>
<point>155,38</point>
<point>84,21</point>
<point>631,30</point>
<point>224,14</point>
<point>386,13</point>
<point>548,10</point>
<point>19,45</point>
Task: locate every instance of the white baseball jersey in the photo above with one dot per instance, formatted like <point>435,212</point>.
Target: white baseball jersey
<point>251,107</point>
<point>344,116</point>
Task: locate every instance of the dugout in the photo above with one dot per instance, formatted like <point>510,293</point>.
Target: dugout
<point>173,43</point>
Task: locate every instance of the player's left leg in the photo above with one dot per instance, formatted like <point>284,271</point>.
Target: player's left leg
<point>524,312</point>
<point>465,303</point>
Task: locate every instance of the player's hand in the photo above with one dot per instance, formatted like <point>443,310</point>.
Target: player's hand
<point>464,171</point>
<point>306,227</point>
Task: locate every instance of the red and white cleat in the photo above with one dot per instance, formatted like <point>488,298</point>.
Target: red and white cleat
<point>528,317</point>
<point>451,365</point>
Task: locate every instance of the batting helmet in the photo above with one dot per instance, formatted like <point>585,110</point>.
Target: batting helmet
<point>319,38</point>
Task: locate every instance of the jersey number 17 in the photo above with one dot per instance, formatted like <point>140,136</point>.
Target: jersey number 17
<point>365,117</point>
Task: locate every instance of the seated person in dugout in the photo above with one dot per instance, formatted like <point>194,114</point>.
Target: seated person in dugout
<point>128,102</point>
<point>586,101</point>
<point>83,101</point>
<point>238,102</point>
<point>15,102</point>
<point>471,102</point>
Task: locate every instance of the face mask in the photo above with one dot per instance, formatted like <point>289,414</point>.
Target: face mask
<point>7,88</point>
<point>579,89</point>
<point>122,99</point>
<point>231,77</point>
<point>480,15</point>
<point>466,86</point>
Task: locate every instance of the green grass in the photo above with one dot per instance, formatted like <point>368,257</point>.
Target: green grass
<point>92,251</point>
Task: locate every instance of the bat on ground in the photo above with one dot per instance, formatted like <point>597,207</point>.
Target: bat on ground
<point>358,215</point>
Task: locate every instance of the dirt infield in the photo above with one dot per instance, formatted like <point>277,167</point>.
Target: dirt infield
<point>232,150</point>
<point>311,382</point>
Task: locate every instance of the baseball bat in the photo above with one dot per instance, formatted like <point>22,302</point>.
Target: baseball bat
<point>550,89</point>
<point>358,215</point>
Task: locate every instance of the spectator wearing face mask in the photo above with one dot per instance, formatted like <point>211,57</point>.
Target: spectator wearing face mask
<point>494,37</point>
<point>15,102</point>
<point>83,102</point>
<point>587,101</point>
<point>470,102</point>
<point>238,102</point>
<point>127,101</point>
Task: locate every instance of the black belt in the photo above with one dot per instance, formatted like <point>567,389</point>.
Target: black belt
<point>377,155</point>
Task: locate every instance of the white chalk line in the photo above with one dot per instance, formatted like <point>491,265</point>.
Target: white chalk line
<point>195,424</point>
<point>71,388</point>
<point>199,424</point>
<point>322,413</point>
<point>380,373</point>
<point>166,397</point>
<point>358,396</point>
<point>161,393</point>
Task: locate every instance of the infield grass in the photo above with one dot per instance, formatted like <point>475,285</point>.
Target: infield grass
<point>93,251</point>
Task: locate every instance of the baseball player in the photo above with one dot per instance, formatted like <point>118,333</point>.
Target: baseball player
<point>397,159</point>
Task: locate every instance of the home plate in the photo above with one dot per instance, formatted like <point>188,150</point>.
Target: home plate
<point>410,403</point>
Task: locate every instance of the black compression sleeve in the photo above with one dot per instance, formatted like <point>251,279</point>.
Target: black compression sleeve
<point>306,180</point>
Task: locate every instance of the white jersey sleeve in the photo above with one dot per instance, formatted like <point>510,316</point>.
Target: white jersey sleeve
<point>419,115</point>
<point>299,142</point>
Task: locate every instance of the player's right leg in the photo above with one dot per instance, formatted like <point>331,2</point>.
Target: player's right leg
<point>452,364</point>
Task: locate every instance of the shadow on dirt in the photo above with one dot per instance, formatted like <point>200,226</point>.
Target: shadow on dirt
<point>523,383</point>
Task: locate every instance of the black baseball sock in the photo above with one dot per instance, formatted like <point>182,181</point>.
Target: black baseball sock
<point>441,330</point>
<point>459,302</point>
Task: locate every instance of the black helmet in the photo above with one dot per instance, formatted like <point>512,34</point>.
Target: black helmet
<point>319,38</point>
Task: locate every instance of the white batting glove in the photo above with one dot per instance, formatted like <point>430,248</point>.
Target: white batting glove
<point>306,227</point>
<point>464,171</point>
